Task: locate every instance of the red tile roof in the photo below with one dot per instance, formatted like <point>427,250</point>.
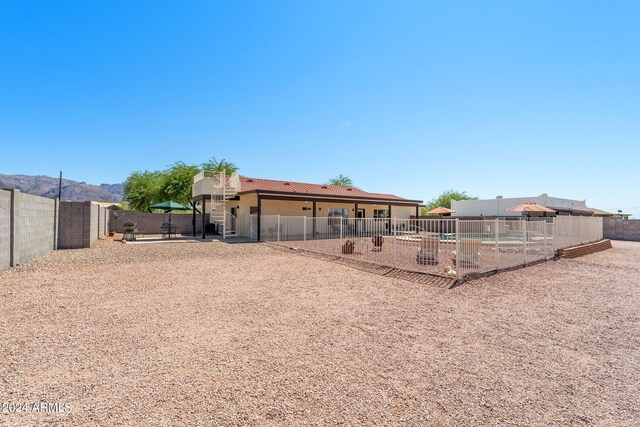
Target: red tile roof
<point>272,186</point>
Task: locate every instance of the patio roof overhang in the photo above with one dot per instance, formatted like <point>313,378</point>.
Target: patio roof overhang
<point>283,195</point>
<point>302,197</point>
<point>572,211</point>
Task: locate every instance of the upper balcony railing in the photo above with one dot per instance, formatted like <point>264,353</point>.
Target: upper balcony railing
<point>209,182</point>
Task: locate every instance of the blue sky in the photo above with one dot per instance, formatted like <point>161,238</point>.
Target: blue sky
<point>513,98</point>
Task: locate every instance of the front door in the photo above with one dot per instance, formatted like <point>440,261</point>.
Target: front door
<point>360,214</point>
<point>234,217</point>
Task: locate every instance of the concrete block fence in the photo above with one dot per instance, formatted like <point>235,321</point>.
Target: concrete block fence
<point>151,222</point>
<point>5,229</point>
<point>81,224</point>
<point>31,226</point>
<point>28,227</point>
<point>622,229</point>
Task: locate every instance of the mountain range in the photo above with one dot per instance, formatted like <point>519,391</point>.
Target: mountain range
<point>47,186</point>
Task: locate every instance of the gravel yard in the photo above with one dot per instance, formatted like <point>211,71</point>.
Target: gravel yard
<point>219,334</point>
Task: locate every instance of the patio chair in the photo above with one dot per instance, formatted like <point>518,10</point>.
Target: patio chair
<point>469,253</point>
<point>428,250</point>
<point>377,243</point>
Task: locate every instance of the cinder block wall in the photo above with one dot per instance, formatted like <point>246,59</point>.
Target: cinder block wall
<point>91,226</point>
<point>621,229</point>
<point>81,224</point>
<point>5,229</point>
<point>71,228</point>
<point>34,226</point>
<point>151,223</point>
<point>102,224</point>
<point>31,226</point>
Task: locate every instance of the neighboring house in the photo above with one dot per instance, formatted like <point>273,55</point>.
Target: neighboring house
<point>605,214</point>
<point>498,207</point>
<point>240,203</point>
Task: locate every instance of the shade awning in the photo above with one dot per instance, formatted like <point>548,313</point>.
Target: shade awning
<point>530,207</point>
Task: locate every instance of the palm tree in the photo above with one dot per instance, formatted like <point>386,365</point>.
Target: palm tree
<point>341,181</point>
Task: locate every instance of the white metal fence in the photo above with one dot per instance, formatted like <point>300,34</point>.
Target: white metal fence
<point>435,246</point>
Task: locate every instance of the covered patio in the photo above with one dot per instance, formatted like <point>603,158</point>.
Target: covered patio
<point>322,207</point>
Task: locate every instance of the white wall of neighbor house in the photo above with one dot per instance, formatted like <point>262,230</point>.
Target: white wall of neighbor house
<point>499,206</point>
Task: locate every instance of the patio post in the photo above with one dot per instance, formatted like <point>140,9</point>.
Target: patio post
<point>313,226</point>
<point>193,219</point>
<point>259,215</point>
<point>204,219</point>
<point>356,221</point>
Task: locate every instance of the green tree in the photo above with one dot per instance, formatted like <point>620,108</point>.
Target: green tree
<point>176,182</point>
<point>341,181</point>
<point>218,165</point>
<point>444,200</point>
<point>142,189</point>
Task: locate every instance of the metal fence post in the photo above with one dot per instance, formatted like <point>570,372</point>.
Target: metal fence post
<point>395,242</point>
<point>524,240</point>
<point>341,228</point>
<point>278,228</point>
<point>497,246</point>
<point>554,237</point>
<point>458,259</point>
<point>304,231</point>
<point>544,235</point>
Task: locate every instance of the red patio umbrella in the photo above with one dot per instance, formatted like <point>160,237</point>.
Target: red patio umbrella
<point>531,207</point>
<point>440,211</point>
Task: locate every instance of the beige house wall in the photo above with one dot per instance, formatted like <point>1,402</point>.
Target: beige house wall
<point>243,207</point>
<point>294,208</point>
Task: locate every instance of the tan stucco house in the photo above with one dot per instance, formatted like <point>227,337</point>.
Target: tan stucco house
<point>237,206</point>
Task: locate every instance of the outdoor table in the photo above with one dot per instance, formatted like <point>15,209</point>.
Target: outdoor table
<point>168,230</point>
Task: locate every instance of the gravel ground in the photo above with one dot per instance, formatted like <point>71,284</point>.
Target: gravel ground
<point>218,334</point>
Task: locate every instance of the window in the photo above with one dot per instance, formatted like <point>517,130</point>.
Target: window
<point>333,212</point>
<point>381,213</point>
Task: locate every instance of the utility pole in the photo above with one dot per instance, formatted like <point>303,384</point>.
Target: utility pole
<point>60,187</point>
